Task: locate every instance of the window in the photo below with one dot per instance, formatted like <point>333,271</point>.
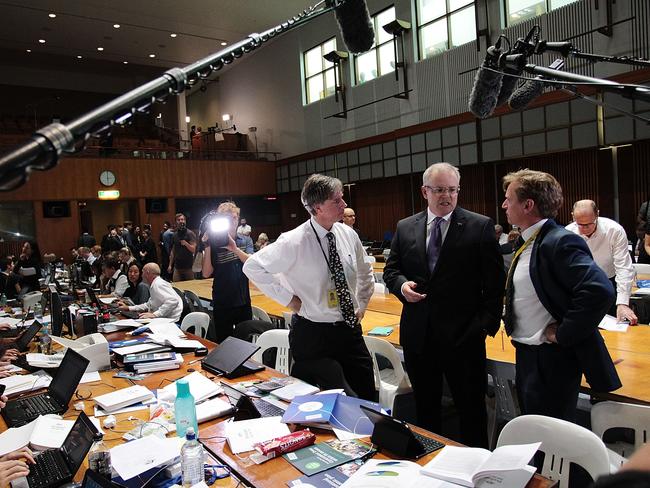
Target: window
<point>381,58</point>
<point>444,24</point>
<point>520,10</point>
<point>319,73</point>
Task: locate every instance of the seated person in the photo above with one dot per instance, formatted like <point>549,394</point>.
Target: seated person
<point>126,259</point>
<point>115,282</point>
<point>163,300</point>
<point>138,290</point>
<point>11,279</point>
<point>262,241</point>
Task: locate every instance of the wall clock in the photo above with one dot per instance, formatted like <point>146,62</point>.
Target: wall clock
<point>107,178</point>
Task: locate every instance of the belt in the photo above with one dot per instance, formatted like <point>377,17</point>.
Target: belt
<point>339,323</point>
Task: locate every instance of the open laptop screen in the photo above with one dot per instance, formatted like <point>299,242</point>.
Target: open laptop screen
<point>23,341</point>
<point>56,312</point>
<point>67,378</point>
<point>78,442</point>
<point>229,355</point>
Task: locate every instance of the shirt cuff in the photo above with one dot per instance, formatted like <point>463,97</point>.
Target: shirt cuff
<point>623,299</point>
<point>401,289</point>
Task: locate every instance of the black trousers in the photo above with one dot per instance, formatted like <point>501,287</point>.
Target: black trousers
<point>464,369</point>
<point>332,356</point>
<point>225,319</point>
<point>548,380</point>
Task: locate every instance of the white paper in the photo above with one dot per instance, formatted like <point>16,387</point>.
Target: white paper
<point>289,392</point>
<point>403,474</point>
<point>45,320</point>
<point>39,360</point>
<point>108,300</point>
<point>135,348</point>
<point>11,321</point>
<point>15,438</point>
<point>90,377</point>
<point>200,387</point>
<point>99,412</point>
<point>184,343</point>
<point>125,323</point>
<point>133,458</point>
<point>611,323</point>
<point>50,431</point>
<point>243,434</point>
<point>28,382</point>
<point>166,328</point>
<point>123,398</point>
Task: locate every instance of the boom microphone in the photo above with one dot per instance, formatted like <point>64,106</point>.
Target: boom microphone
<point>355,24</point>
<point>524,47</point>
<point>526,93</point>
<point>487,84</point>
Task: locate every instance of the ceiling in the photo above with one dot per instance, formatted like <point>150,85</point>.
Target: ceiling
<point>145,26</point>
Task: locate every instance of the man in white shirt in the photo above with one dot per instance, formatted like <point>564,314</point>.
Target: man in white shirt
<point>318,271</point>
<point>556,296</point>
<point>502,237</point>
<point>163,302</point>
<point>607,242</point>
<point>244,229</point>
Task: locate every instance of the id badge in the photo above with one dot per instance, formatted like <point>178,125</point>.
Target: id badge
<point>332,298</point>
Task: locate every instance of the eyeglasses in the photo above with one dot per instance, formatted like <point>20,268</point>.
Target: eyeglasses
<point>439,190</point>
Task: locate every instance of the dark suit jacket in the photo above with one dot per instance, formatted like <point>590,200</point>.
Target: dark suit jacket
<point>465,290</point>
<point>577,293</point>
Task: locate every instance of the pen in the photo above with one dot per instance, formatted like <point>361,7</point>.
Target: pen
<point>195,361</point>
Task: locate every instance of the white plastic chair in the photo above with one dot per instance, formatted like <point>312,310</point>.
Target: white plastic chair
<point>391,382</point>
<point>609,415</point>
<point>199,320</point>
<point>287,316</point>
<point>379,277</point>
<point>275,338</point>
<point>259,314</point>
<point>641,268</point>
<point>380,289</point>
<point>505,403</point>
<point>562,443</point>
<point>369,259</point>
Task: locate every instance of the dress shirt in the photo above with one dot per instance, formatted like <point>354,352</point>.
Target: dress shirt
<point>91,258</point>
<point>295,265</point>
<point>244,230</point>
<point>163,301</point>
<point>608,245</point>
<point>530,316</point>
<point>503,239</point>
<point>120,282</point>
<point>444,226</point>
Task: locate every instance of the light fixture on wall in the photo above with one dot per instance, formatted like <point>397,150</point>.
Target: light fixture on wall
<point>226,117</point>
<point>397,28</point>
<point>187,119</point>
<point>335,57</point>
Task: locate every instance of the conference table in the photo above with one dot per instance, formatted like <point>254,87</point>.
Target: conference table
<point>630,350</point>
<point>274,473</point>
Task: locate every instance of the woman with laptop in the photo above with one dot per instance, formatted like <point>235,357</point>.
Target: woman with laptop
<point>138,290</point>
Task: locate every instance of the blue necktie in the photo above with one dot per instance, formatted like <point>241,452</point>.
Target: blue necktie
<point>435,243</point>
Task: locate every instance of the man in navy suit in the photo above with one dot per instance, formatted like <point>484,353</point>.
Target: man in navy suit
<point>556,296</point>
<point>445,266</point>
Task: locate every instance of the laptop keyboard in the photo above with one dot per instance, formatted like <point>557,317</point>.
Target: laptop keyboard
<point>428,443</point>
<point>50,470</point>
<point>267,409</point>
<point>39,404</point>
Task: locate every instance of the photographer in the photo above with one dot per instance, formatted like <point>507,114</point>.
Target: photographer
<point>183,249</point>
<point>225,253</point>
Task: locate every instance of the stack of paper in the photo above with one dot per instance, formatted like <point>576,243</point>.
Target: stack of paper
<point>149,367</point>
<point>292,390</point>
<point>119,324</point>
<point>46,432</point>
<point>38,360</point>
<point>243,434</point>
<point>27,382</point>
<point>123,398</point>
<point>201,388</point>
<point>133,458</point>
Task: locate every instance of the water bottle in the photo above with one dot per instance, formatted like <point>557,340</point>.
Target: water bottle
<point>46,340</point>
<point>99,458</point>
<point>3,301</point>
<point>192,460</point>
<point>184,409</point>
<point>38,313</point>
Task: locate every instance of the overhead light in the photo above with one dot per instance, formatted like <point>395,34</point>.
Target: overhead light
<point>100,48</point>
<point>173,35</point>
<point>152,55</point>
<point>42,41</point>
<point>187,119</point>
<point>29,50</point>
<point>125,62</point>
<point>335,56</point>
<point>226,117</point>
<point>108,194</point>
<point>396,27</point>
<point>117,26</point>
<point>79,56</point>
<point>224,43</point>
<point>52,16</point>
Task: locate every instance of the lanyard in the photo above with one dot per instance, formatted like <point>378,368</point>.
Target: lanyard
<point>329,267</point>
<point>519,251</point>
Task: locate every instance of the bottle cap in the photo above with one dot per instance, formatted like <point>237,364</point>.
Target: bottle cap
<point>189,434</point>
<point>182,387</point>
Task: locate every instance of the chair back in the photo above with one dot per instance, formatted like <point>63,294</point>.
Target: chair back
<point>641,268</point>
<point>278,339</point>
<point>380,289</point>
<point>609,415</point>
<point>259,314</point>
<point>199,320</point>
<point>194,302</point>
<point>186,305</point>
<point>392,383</point>
<point>505,405</point>
<point>287,316</point>
<point>379,277</point>
<point>562,443</point>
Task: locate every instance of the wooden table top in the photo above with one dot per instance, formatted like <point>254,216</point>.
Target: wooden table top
<point>270,474</point>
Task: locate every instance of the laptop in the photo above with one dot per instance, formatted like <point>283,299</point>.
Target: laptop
<point>396,436</point>
<point>248,407</point>
<point>57,397</point>
<point>56,313</point>
<point>22,342</point>
<point>230,359</point>
<point>95,480</point>
<point>55,467</point>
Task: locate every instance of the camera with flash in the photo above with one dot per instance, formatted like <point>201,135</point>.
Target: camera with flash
<point>218,228</point>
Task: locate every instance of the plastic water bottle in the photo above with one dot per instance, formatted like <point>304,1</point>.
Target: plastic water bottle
<point>38,313</point>
<point>99,458</point>
<point>192,460</point>
<point>46,340</point>
<point>184,409</point>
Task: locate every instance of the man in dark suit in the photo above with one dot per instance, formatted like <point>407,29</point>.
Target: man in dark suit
<point>445,266</point>
<point>556,296</point>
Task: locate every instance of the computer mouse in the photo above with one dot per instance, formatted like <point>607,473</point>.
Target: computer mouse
<point>201,351</point>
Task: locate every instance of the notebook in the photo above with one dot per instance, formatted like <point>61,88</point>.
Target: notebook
<point>230,359</point>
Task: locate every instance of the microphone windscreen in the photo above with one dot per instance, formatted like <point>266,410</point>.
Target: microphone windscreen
<point>508,86</point>
<point>525,94</point>
<point>483,98</point>
<point>355,25</point>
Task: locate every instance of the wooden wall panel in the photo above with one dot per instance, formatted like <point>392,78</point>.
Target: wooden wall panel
<point>78,178</point>
<point>633,182</point>
<point>57,235</point>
